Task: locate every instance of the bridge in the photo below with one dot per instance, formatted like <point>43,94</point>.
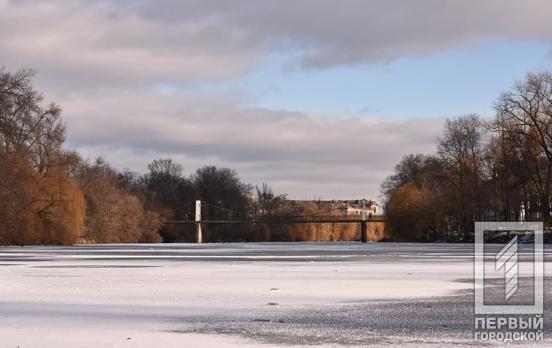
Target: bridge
<point>224,215</point>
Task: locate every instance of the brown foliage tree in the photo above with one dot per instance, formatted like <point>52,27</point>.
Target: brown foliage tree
<point>412,216</point>
<point>39,202</point>
<point>113,214</point>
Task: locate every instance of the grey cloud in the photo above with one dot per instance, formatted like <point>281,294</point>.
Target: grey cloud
<point>83,44</point>
<point>102,60</point>
<point>358,31</point>
<point>129,43</point>
<point>312,152</point>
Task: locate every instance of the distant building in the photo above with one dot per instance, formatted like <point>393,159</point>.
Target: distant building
<point>358,207</point>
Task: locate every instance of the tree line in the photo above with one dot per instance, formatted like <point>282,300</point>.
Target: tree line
<point>498,169</point>
<point>50,195</point>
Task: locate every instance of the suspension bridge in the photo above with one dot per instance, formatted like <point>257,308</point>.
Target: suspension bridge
<point>200,213</point>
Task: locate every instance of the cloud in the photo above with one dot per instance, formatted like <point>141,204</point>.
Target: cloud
<point>122,43</point>
<point>305,155</point>
<point>107,62</point>
<point>89,45</point>
<point>333,33</point>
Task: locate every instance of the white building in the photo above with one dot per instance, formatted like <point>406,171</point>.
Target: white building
<point>358,207</point>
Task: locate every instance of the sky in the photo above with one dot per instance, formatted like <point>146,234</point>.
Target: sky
<point>318,98</point>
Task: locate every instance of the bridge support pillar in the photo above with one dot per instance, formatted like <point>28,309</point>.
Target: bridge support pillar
<point>363,232</point>
<point>199,235</point>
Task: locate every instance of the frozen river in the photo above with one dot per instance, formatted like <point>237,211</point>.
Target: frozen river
<point>235,295</point>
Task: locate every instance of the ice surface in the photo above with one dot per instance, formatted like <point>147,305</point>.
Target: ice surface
<point>146,295</point>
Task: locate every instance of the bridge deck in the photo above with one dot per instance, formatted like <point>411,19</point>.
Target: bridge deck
<point>282,221</point>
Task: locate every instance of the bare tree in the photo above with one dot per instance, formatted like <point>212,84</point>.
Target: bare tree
<point>165,167</point>
<point>419,170</point>
<point>166,188</point>
<point>526,112</point>
<point>461,152</point>
<point>266,202</point>
<point>25,126</point>
<point>221,186</point>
